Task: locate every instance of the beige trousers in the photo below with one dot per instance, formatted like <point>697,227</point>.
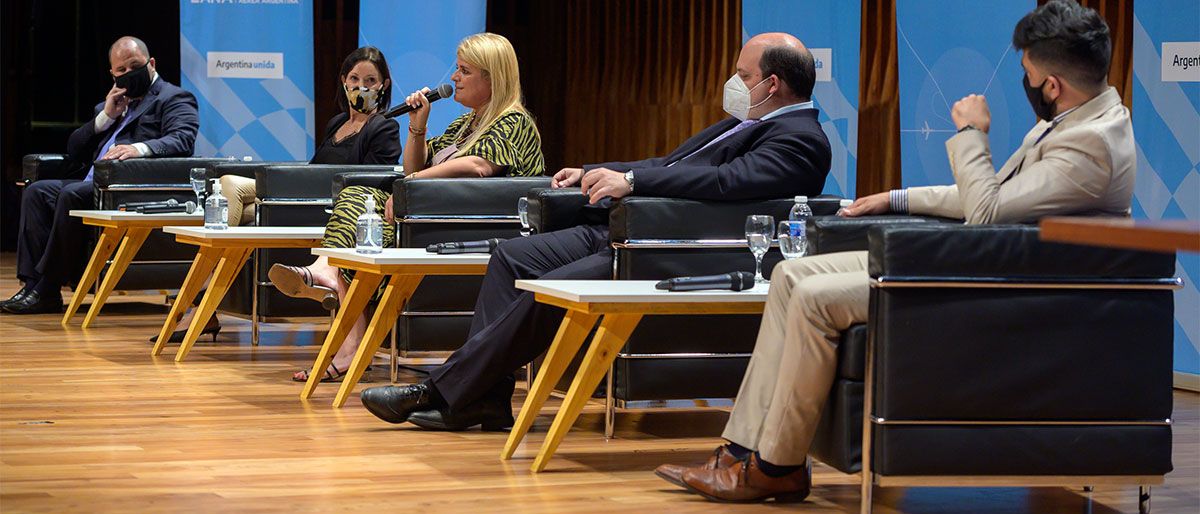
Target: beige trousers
<point>812,300</point>
<point>240,193</point>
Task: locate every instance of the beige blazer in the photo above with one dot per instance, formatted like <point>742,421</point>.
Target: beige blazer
<point>1085,166</point>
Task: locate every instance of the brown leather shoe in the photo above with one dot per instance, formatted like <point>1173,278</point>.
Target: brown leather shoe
<point>673,473</point>
<point>746,483</point>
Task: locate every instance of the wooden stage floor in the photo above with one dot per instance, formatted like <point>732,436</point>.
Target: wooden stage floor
<point>89,422</point>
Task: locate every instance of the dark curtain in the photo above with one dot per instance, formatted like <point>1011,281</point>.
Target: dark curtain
<point>878,100</point>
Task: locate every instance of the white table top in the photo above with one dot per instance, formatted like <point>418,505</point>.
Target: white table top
<point>108,215</point>
<point>249,232</point>
<point>403,256</point>
<point>635,291</point>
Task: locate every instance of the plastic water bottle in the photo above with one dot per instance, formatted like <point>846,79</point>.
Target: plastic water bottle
<point>216,209</point>
<point>370,229</point>
<point>801,212</point>
<point>843,204</point>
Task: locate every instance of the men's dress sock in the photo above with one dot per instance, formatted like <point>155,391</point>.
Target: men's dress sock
<point>738,451</point>
<point>47,290</point>
<point>775,470</point>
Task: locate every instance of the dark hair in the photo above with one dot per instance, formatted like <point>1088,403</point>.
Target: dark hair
<point>374,56</point>
<point>795,66</point>
<point>1068,40</point>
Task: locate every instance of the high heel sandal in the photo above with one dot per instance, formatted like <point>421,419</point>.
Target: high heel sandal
<point>297,282</point>
<point>212,327</point>
<point>336,376</point>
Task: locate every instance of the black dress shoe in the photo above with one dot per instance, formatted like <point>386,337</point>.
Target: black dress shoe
<point>212,327</point>
<point>16,297</point>
<point>393,404</point>
<point>35,303</point>
<point>492,415</point>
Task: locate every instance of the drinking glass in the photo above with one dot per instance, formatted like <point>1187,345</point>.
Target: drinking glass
<point>759,232</point>
<point>791,243</point>
<point>199,181</point>
<point>523,212</point>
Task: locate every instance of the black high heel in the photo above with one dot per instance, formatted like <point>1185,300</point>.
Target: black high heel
<point>213,327</point>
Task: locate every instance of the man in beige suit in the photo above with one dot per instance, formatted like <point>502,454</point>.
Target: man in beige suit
<point>1079,159</point>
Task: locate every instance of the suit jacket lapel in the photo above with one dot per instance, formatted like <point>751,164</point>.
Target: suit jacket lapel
<point>143,104</point>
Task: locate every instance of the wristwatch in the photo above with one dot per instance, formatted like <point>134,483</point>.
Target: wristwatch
<point>966,128</point>
<point>629,179</point>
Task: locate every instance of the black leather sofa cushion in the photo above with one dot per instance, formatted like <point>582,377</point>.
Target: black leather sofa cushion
<point>556,209</point>
<point>491,196</point>
<point>831,234</point>
<point>245,169</point>
<point>837,441</point>
<point>159,171</point>
<point>1022,450</point>
<point>852,353</point>
<point>310,181</point>
<point>672,218</point>
<point>1008,354</point>
<point>376,179</point>
<point>38,166</point>
<point>1013,251</point>
<point>659,378</point>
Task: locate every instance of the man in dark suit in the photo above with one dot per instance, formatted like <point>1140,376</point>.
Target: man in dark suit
<point>142,116</point>
<point>773,147</point>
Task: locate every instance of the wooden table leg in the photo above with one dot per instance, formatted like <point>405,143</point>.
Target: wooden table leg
<point>362,289</point>
<point>202,268</point>
<point>613,333</point>
<point>571,334</point>
<point>399,289</point>
<point>129,247</point>
<point>110,237</point>
<point>230,263</point>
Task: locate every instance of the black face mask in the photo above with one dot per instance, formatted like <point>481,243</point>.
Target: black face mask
<point>1042,108</point>
<point>135,82</point>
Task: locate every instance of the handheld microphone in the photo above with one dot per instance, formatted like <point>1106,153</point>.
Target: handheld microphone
<point>442,91</point>
<point>161,208</point>
<point>735,281</point>
<point>485,246</point>
<point>134,206</point>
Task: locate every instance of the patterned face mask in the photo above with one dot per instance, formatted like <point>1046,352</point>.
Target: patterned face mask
<point>363,99</point>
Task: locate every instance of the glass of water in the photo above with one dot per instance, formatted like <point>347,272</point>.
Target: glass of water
<point>199,180</point>
<point>791,239</point>
<point>523,213</point>
<point>759,232</point>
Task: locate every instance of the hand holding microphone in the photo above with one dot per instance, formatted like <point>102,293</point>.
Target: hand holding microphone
<point>418,103</point>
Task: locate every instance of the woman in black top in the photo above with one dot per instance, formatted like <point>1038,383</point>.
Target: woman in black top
<point>358,135</point>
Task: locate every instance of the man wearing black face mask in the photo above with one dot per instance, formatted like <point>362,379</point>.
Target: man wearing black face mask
<point>1079,159</point>
<point>142,116</point>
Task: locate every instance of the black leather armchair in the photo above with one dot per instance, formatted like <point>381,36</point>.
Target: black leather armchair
<point>161,263</point>
<point>438,315</point>
<point>288,195</point>
<point>994,355</point>
<point>656,238</point>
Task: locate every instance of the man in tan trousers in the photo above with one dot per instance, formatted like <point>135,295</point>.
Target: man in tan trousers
<point>1079,159</point>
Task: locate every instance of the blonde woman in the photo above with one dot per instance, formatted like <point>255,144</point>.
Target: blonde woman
<point>496,137</point>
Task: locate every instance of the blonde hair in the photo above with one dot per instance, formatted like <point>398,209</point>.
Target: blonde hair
<point>494,56</point>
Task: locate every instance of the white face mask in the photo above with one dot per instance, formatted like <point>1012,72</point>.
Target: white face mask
<point>737,97</point>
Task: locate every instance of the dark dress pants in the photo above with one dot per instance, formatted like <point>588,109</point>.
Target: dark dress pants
<point>51,245</point>
<point>509,328</point>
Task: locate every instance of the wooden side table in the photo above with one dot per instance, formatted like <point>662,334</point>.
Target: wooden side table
<point>125,232</point>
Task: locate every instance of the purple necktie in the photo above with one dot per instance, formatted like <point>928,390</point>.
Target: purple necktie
<point>736,128</point>
<point>111,141</point>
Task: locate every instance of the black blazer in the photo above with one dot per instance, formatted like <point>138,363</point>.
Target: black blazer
<point>784,156</point>
<point>166,120</point>
<point>378,141</point>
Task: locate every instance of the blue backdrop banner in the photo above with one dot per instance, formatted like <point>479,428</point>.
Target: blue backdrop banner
<point>830,29</point>
<point>948,50</point>
<point>250,65</point>
<point>1166,124</point>
<point>420,54</point>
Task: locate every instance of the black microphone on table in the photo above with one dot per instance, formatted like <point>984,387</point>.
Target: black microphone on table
<point>162,208</point>
<point>442,91</point>
<point>485,246</point>
<point>133,206</point>
<point>735,281</point>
